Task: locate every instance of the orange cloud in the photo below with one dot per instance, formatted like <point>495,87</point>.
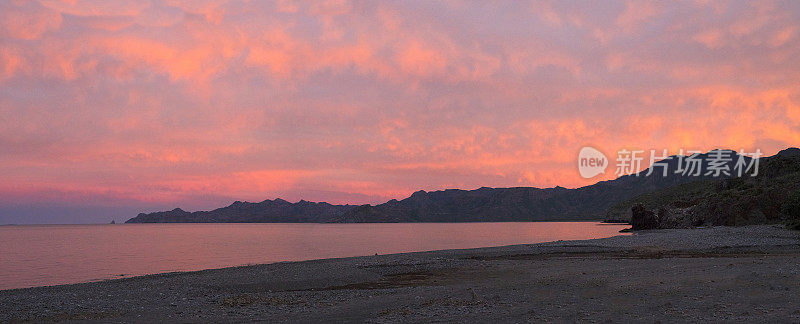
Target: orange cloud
<point>419,60</point>
<point>9,63</point>
<point>172,100</point>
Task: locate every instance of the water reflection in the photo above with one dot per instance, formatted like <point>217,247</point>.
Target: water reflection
<point>39,255</point>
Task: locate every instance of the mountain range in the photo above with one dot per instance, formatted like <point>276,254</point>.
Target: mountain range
<point>454,205</point>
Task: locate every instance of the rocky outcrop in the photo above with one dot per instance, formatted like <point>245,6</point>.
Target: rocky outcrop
<point>642,218</point>
<point>747,200</point>
<point>663,217</point>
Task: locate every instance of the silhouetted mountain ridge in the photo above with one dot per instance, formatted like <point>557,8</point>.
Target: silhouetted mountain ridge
<point>267,211</point>
<point>525,203</point>
<point>455,205</point>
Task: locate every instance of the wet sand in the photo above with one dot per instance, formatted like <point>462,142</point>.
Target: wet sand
<point>718,274</point>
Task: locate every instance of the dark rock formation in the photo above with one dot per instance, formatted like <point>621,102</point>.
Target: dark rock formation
<point>745,200</point>
<point>643,219</point>
<point>664,217</point>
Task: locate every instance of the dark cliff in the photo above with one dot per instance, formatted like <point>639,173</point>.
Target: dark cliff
<point>763,198</point>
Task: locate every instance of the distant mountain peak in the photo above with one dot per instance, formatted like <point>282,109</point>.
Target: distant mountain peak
<point>792,151</point>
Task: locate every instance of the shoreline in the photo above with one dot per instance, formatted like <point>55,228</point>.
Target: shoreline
<point>598,279</point>
<point>556,220</point>
<point>129,276</point>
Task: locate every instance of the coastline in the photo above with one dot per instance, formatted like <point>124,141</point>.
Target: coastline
<point>715,274</point>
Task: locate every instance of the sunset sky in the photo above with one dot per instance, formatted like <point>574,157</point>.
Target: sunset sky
<point>109,108</point>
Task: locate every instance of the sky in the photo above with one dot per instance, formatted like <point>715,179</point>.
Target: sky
<point>109,108</point>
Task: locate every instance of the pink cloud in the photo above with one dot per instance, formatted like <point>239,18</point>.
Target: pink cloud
<point>26,20</point>
<point>167,101</point>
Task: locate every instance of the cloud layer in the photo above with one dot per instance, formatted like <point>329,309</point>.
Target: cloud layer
<point>194,103</point>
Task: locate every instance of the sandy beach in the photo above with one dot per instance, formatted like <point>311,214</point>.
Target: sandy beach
<point>716,274</point>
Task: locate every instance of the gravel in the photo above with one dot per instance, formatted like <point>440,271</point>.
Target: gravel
<point>718,274</point>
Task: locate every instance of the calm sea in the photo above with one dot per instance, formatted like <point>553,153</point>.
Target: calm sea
<point>39,255</point>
